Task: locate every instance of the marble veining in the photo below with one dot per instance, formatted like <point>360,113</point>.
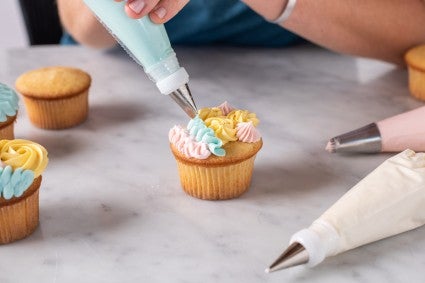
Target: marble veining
<point>111,206</point>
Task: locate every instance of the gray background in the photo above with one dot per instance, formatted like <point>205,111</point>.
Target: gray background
<point>12,29</point>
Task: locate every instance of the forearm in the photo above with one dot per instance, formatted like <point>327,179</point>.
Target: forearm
<point>79,21</point>
<point>381,29</point>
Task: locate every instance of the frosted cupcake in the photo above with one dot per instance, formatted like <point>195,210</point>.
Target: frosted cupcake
<point>23,162</point>
<point>8,111</point>
<point>415,59</point>
<point>215,153</point>
<point>55,97</point>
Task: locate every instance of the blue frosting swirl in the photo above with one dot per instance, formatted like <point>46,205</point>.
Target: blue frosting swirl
<point>14,183</point>
<point>8,102</point>
<point>202,133</point>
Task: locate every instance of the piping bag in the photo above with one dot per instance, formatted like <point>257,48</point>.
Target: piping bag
<point>388,201</point>
<point>148,44</point>
<point>393,134</point>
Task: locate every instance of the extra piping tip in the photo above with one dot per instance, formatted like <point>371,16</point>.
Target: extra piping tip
<point>294,255</point>
<point>363,140</point>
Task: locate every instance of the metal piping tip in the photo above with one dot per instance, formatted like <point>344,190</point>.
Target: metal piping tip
<point>363,140</point>
<point>294,255</point>
<point>184,99</point>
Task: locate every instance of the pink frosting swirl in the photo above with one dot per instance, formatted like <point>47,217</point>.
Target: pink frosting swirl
<point>226,108</point>
<point>246,132</point>
<point>185,144</point>
<point>175,134</point>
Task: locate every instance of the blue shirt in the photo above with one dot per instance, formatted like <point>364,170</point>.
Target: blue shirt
<point>225,22</point>
<point>228,22</point>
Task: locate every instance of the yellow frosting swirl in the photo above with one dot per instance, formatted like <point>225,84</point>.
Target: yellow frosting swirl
<point>239,116</point>
<point>24,154</point>
<point>207,112</point>
<point>223,127</point>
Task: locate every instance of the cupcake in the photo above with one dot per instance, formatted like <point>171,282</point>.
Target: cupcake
<point>20,178</point>
<point>215,153</point>
<point>55,97</point>
<point>8,111</point>
<point>415,59</point>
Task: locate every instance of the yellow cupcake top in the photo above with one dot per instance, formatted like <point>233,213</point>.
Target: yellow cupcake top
<point>224,128</point>
<point>209,112</point>
<point>24,154</point>
<point>239,116</point>
<point>53,82</point>
<point>415,57</point>
<point>213,129</point>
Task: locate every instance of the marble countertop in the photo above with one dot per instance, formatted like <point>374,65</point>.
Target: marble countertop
<point>111,206</point>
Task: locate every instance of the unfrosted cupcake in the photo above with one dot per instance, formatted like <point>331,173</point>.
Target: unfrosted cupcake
<point>23,162</point>
<point>55,97</point>
<point>415,59</point>
<point>215,154</point>
<point>8,111</point>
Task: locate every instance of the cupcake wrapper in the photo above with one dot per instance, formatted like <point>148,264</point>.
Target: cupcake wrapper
<point>57,113</point>
<point>7,128</point>
<point>19,217</point>
<point>417,83</point>
<point>216,183</point>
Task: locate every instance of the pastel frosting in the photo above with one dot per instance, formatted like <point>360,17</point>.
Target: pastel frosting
<point>24,154</point>
<point>246,132</point>
<point>212,128</point>
<point>239,116</point>
<point>202,133</point>
<point>8,102</point>
<point>14,183</point>
<point>187,144</point>
<point>206,113</point>
<point>226,108</point>
<point>223,127</point>
<point>23,162</point>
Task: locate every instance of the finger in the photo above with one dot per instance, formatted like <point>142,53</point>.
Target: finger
<point>138,8</point>
<point>166,9</point>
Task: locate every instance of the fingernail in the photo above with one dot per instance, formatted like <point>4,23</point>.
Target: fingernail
<point>137,6</point>
<point>160,12</point>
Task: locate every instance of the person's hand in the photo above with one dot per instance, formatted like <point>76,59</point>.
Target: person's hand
<point>160,11</point>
